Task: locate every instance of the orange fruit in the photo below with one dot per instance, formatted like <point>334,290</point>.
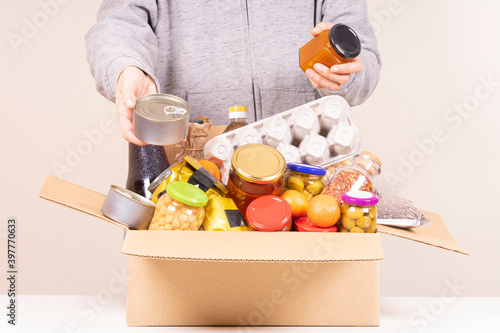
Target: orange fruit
<point>323,211</point>
<point>297,201</point>
<point>211,167</point>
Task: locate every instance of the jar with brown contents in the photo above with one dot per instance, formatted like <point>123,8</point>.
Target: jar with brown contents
<point>355,177</point>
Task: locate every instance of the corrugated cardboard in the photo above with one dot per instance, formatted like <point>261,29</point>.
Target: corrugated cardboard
<point>250,278</point>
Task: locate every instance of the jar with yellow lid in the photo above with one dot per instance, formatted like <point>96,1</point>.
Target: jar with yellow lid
<point>256,170</point>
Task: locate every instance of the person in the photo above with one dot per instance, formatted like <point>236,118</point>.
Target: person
<point>215,54</point>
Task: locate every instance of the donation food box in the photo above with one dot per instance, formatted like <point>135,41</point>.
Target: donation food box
<point>198,278</point>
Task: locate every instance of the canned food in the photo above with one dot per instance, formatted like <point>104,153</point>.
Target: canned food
<point>128,208</point>
<point>307,179</point>
<point>161,119</point>
<point>269,213</point>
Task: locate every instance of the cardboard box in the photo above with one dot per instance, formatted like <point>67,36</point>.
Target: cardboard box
<point>197,278</point>
<point>250,278</point>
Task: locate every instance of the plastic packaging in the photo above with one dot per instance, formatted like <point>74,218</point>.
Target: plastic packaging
<point>358,212</point>
<point>181,208</point>
<point>357,176</point>
<point>269,213</point>
<point>319,120</point>
<point>307,179</point>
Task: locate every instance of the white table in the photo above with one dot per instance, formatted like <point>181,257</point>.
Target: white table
<point>58,314</point>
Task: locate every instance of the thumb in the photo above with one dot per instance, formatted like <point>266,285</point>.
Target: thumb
<point>130,100</point>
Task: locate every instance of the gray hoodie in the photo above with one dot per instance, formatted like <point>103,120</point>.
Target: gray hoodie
<point>215,54</point>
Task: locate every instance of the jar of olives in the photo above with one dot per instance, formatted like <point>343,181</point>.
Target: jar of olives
<point>358,212</point>
<point>305,178</point>
<point>181,208</point>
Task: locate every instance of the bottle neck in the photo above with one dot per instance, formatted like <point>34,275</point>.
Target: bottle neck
<point>238,120</point>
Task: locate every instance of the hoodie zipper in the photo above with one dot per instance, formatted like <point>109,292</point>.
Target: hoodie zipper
<point>251,65</point>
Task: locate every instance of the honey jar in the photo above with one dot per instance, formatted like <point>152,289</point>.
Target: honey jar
<point>256,170</point>
<point>338,45</point>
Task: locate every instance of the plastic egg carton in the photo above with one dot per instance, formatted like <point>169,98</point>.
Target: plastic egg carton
<point>321,133</point>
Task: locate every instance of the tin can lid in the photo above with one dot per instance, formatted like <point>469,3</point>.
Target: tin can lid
<point>304,224</point>
<point>306,168</point>
<point>360,198</point>
<point>162,108</point>
<point>187,194</point>
<point>258,163</point>
<point>269,213</point>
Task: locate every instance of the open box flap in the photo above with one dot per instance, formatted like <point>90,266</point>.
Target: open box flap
<point>436,235</point>
<point>74,196</point>
<point>253,246</point>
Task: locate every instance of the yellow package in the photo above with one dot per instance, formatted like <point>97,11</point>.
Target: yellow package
<point>221,214</point>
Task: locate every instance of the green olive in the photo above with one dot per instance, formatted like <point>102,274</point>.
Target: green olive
<point>357,229</point>
<point>354,212</point>
<point>373,226</point>
<point>363,222</point>
<point>307,194</point>
<point>296,183</point>
<point>315,186</point>
<point>347,222</point>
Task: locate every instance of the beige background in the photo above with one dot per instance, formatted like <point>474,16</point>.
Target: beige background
<point>435,54</point>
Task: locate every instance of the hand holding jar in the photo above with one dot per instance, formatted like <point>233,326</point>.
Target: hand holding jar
<point>331,56</point>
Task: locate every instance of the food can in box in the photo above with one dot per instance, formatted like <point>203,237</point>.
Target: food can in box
<point>161,119</point>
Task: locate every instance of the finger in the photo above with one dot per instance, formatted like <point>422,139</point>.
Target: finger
<point>320,81</point>
<point>348,68</point>
<point>326,73</point>
<point>151,88</point>
<point>125,120</point>
<point>321,26</point>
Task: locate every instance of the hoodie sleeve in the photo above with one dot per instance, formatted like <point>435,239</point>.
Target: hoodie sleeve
<point>123,36</point>
<point>354,14</point>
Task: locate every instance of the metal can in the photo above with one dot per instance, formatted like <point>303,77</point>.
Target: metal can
<point>161,119</point>
<point>256,170</point>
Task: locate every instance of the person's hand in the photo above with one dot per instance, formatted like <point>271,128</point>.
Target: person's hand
<point>132,84</point>
<point>335,77</point>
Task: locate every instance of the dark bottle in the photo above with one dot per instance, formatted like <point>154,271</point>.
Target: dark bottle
<point>238,118</point>
<point>145,163</point>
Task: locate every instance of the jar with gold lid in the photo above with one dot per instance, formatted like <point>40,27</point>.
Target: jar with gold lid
<point>256,170</point>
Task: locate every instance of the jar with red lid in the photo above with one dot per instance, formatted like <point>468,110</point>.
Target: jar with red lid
<point>304,224</point>
<point>269,213</point>
<point>256,170</point>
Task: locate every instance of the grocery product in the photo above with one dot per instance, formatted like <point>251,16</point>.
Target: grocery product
<point>297,201</point>
<point>359,213</point>
<point>256,170</point>
<point>395,208</point>
<point>269,213</point>
<point>323,211</point>
<point>181,208</point>
<point>197,137</point>
<point>161,119</point>
<point>331,47</point>
<point>321,132</point>
<point>128,208</point>
<point>237,118</point>
<point>223,215</point>
<point>305,224</point>
<point>145,164</point>
<point>357,176</point>
<point>210,167</point>
<point>308,179</point>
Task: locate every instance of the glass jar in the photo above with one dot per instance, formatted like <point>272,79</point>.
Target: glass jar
<point>269,213</point>
<point>358,212</point>
<point>338,45</point>
<point>304,224</point>
<point>181,208</point>
<point>305,178</point>
<point>256,170</point>
<point>357,176</point>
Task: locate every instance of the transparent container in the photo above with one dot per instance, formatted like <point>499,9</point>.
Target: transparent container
<point>338,45</point>
<point>237,118</point>
<point>256,170</point>
<point>358,212</point>
<point>307,179</point>
<point>181,208</point>
<point>357,176</point>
